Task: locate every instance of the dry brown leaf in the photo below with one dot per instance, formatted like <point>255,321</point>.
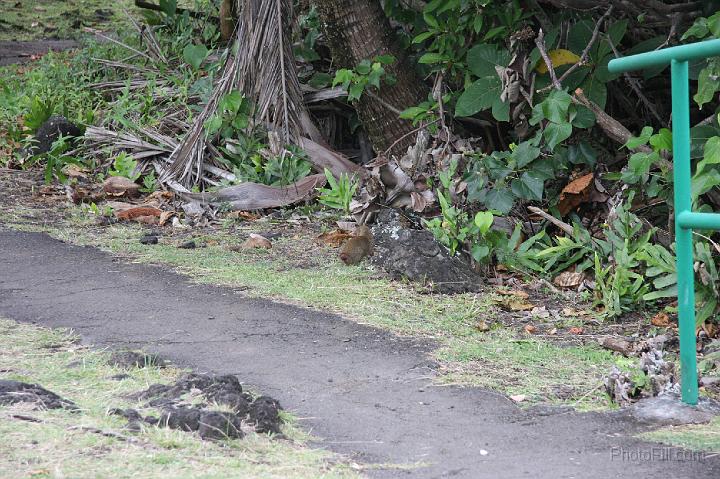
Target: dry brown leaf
<point>530,329</point>
<point>576,330</point>
<point>573,313</point>
<point>334,238</point>
<point>482,326</point>
<point>569,279</point>
<point>518,397</point>
<point>121,186</point>
<point>575,193</point>
<point>243,215</point>
<point>514,300</point>
<point>710,329</point>
<point>512,292</point>
<point>256,241</point>
<point>661,320</point>
<point>165,217</point>
<point>136,212</point>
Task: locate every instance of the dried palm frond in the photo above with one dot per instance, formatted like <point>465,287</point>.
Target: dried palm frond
<point>262,67</point>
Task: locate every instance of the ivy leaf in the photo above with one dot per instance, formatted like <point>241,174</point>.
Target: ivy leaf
<point>708,85</point>
<point>698,30</point>
<point>194,55</point>
<point>529,186</point>
<point>711,156</point>
<point>662,141</point>
<point>480,252</point>
<point>525,153</point>
<point>555,106</point>
<point>556,133</point>
<point>482,59</point>
<point>643,139</point>
<point>479,96</point>
<point>499,199</point>
<point>701,184</point>
<point>582,153</point>
<point>584,117</point>
<point>484,220</point>
<point>638,166</point>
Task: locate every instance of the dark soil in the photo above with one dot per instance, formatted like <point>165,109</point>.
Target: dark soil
<point>372,398</point>
<point>135,359</point>
<point>22,52</point>
<point>12,392</point>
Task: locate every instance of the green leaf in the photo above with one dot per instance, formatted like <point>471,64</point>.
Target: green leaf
<point>662,141</point>
<point>703,183</point>
<point>698,30</point>
<point>479,96</point>
<point>525,153</point>
<point>484,220</point>
<point>711,155</point>
<point>479,252</point>
<point>708,85</point>
<point>194,55</point>
<point>482,59</point>
<point>412,112</point>
<point>422,37</point>
<point>640,140</point>
<point>529,187</point>
<point>665,293</point>
<point>582,153</point>
<point>501,110</point>
<point>431,58</point>
<point>320,80</point>
<point>595,90</point>
<point>638,166</point>
<point>212,125</point>
<point>555,106</point>
<point>584,117</point>
<point>385,59</point>
<point>556,133</point>
<point>499,199</point>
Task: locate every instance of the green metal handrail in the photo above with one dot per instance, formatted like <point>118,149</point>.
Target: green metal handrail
<point>685,219</point>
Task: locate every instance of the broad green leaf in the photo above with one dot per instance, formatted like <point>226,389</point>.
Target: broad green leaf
<point>670,292</point>
<point>699,29</point>
<point>529,187</point>
<point>556,133</point>
<point>555,106</point>
<point>480,252</point>
<point>501,110</point>
<point>711,156</point>
<point>584,117</point>
<point>525,153</point>
<point>484,220</point>
<point>194,55</point>
<point>431,58</point>
<point>595,90</point>
<point>320,80</point>
<point>662,141</point>
<point>708,85</point>
<point>479,96</point>
<point>638,166</point>
<point>482,59</point>
<point>422,37</point>
<point>499,199</point>
<point>703,183</point>
<point>640,140</point>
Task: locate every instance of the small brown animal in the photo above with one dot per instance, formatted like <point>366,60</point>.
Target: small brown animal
<point>357,247</point>
<point>228,19</point>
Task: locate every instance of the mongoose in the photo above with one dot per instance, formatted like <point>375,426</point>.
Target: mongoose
<point>357,247</point>
<point>228,17</point>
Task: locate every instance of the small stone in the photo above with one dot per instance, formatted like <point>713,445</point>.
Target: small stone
<point>219,425</point>
<point>188,245</point>
<point>149,239</point>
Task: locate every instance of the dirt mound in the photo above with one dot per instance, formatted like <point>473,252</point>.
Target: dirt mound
<point>262,413</point>
<point>12,392</point>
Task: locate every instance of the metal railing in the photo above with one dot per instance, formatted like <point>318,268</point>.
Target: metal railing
<point>685,219</point>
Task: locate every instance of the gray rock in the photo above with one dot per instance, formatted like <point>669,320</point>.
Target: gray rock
<point>414,254</point>
<point>669,410</point>
<point>51,130</point>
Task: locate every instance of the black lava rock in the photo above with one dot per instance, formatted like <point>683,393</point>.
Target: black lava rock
<point>51,130</point>
<point>183,418</point>
<point>149,239</point>
<point>265,414</point>
<point>12,392</point>
<point>219,425</point>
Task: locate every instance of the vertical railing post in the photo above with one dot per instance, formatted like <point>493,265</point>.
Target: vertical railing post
<point>683,235</point>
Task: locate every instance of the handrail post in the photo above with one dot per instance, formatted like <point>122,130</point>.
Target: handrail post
<point>683,235</point>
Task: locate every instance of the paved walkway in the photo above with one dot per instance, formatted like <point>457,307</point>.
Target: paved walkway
<point>366,393</point>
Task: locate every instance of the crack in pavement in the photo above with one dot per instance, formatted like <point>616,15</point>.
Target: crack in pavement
<point>362,398</point>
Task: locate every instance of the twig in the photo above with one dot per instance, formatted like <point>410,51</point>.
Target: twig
<point>560,224</point>
<point>540,43</point>
<point>406,135</point>
<point>584,56</point>
<point>633,84</point>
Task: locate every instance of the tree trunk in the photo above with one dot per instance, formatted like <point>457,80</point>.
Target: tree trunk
<point>358,30</point>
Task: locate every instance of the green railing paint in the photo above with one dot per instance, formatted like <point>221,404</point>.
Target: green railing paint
<point>685,219</point>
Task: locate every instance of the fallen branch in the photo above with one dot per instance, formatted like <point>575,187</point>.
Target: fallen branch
<point>560,224</point>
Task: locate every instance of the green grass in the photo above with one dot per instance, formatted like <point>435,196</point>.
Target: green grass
<point>63,445</point>
<point>500,359</point>
<point>703,437</point>
<point>38,19</point>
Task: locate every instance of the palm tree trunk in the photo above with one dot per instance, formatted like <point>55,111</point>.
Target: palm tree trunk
<point>357,30</point>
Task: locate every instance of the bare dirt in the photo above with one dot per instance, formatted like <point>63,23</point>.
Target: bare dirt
<point>364,392</point>
<point>23,52</point>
